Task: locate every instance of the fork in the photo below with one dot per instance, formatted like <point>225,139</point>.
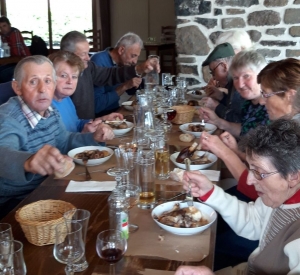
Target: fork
<point>188,198</point>
<point>87,173</point>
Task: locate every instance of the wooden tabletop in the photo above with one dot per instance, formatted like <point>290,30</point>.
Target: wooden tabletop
<point>39,259</point>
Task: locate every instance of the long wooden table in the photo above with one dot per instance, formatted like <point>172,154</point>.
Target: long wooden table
<point>40,260</point>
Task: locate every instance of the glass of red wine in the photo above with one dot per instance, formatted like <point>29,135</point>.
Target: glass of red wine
<point>111,246</point>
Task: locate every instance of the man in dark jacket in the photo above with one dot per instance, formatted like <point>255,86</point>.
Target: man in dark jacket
<point>83,98</point>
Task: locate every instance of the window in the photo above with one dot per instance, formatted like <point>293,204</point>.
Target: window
<point>66,15</point>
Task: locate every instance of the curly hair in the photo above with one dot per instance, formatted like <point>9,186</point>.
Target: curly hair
<point>279,142</point>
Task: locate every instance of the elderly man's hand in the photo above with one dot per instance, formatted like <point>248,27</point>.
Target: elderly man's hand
<point>214,92</point>
<point>193,270</point>
<point>134,82</point>
<point>103,133</point>
<point>148,66</point>
<point>45,161</point>
<point>198,183</point>
<point>209,103</point>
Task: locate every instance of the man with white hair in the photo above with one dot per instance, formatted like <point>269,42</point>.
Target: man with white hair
<point>83,98</point>
<point>126,52</point>
<point>33,139</point>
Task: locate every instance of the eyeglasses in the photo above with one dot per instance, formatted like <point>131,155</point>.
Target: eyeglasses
<point>265,95</point>
<point>212,72</point>
<point>260,176</point>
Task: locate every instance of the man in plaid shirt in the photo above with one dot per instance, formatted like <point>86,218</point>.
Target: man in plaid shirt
<point>13,37</point>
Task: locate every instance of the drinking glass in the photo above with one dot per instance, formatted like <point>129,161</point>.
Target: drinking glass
<point>132,194</point>
<point>81,216</point>
<point>151,79</point>
<point>121,171</point>
<point>165,104</point>
<point>69,245</point>
<point>111,246</point>
<point>162,156</point>
<point>11,258</point>
<point>5,232</point>
<point>146,174</point>
<point>166,79</point>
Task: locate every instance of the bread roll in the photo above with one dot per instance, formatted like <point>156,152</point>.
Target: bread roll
<point>177,174</point>
<point>186,137</point>
<point>68,166</point>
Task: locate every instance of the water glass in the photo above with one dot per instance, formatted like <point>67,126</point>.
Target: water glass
<point>151,79</point>
<point>81,216</point>
<point>69,246</point>
<point>11,258</point>
<point>162,156</point>
<point>140,138</point>
<point>5,232</point>
<point>146,178</point>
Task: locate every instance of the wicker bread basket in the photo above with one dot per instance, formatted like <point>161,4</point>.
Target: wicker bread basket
<point>185,114</point>
<point>39,219</point>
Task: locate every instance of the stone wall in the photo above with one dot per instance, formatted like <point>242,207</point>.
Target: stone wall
<point>274,26</point>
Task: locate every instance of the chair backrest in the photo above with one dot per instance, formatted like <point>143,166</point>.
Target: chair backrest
<point>6,92</point>
<point>38,46</point>
<point>94,38</point>
<point>168,33</point>
<point>27,36</point>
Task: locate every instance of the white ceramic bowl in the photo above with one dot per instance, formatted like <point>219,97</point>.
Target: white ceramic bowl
<point>213,158</point>
<point>120,132</point>
<point>194,96</point>
<point>128,105</point>
<point>207,212</point>
<point>91,162</point>
<point>209,128</point>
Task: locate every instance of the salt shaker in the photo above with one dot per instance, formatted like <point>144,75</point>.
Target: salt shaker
<point>118,212</point>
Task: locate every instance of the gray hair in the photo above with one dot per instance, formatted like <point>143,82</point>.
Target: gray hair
<point>239,40</point>
<point>226,60</point>
<point>279,142</point>
<point>37,59</point>
<point>70,39</point>
<point>248,60</point>
<point>128,40</point>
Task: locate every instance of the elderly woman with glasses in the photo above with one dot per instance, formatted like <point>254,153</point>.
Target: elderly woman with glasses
<point>273,156</point>
<point>244,69</point>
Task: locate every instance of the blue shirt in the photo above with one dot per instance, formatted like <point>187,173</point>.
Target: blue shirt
<point>68,114</point>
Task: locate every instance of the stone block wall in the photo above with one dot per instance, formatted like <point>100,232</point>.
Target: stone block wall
<point>273,25</point>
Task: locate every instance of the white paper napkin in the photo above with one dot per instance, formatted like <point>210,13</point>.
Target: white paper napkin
<point>212,175</point>
<point>90,186</point>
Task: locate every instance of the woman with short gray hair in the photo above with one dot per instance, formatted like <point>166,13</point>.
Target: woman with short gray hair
<point>244,69</point>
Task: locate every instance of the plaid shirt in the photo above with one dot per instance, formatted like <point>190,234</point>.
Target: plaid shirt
<point>16,43</point>
<point>32,116</point>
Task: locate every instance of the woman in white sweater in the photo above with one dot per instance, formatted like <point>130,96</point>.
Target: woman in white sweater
<point>273,156</point>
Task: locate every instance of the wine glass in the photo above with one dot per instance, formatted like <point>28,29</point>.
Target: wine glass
<point>132,194</point>
<point>111,246</point>
<point>81,216</point>
<point>11,258</point>
<point>69,245</point>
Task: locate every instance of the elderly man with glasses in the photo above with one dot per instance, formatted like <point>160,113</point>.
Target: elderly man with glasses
<point>227,106</point>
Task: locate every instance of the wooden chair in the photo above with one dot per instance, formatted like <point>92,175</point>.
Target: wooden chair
<point>95,39</point>
<point>27,36</point>
<point>168,57</point>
